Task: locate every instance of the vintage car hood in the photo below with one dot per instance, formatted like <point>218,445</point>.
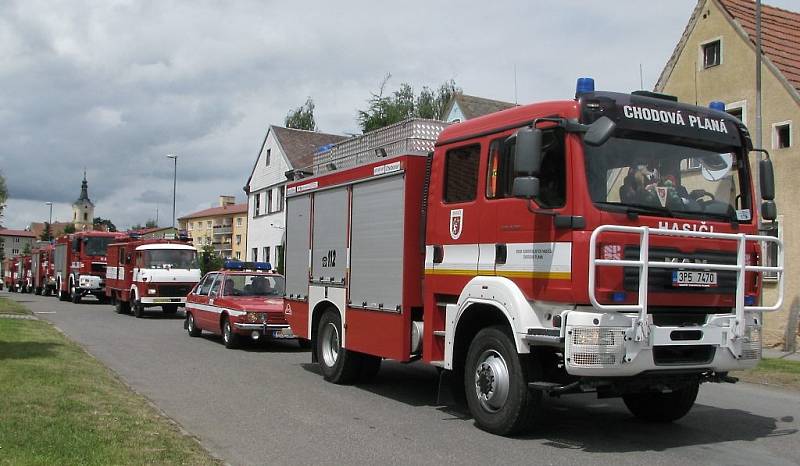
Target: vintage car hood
<point>252,303</point>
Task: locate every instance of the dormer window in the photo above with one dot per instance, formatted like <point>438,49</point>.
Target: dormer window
<point>712,53</point>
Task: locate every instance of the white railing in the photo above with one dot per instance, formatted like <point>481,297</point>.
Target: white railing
<point>644,264</point>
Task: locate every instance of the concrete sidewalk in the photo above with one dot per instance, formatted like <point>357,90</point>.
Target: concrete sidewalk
<point>774,353</point>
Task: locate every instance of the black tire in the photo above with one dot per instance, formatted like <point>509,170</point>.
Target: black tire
<point>138,309</point>
<point>191,327</point>
<point>662,407</point>
<point>496,384</point>
<point>303,343</point>
<point>338,365</point>
<point>229,337</point>
<point>74,296</point>
<point>38,291</point>
<point>122,307</point>
<point>169,308</point>
<point>62,295</point>
<point>370,366</point>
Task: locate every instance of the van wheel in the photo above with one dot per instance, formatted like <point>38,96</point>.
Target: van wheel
<point>662,407</point>
<point>229,337</point>
<point>191,326</point>
<point>496,384</point>
<point>339,365</point>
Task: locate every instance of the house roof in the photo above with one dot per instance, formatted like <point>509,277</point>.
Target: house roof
<point>780,39</point>
<point>9,232</point>
<point>298,145</point>
<point>56,228</point>
<point>218,211</point>
<point>472,106</point>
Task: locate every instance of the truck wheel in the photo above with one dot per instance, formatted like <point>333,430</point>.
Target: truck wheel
<point>339,365</point>
<point>76,297</point>
<point>662,407</point>
<point>370,366</point>
<point>496,384</point>
<point>191,326</point>
<point>229,337</point>
<point>62,296</point>
<point>122,307</point>
<point>169,308</point>
<point>138,309</point>
<point>38,291</point>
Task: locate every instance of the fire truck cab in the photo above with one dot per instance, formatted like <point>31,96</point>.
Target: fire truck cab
<point>44,282</point>
<point>144,273</point>
<point>605,244</point>
<point>9,273</point>
<point>80,264</point>
<point>24,275</point>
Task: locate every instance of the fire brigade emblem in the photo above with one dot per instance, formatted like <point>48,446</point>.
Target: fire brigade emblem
<point>288,310</point>
<point>456,223</point>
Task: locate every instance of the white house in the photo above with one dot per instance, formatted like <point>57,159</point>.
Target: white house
<point>283,149</point>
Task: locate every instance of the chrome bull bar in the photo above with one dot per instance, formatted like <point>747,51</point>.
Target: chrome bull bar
<point>641,323</point>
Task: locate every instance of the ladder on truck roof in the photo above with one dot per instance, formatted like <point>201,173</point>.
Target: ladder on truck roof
<point>414,136</point>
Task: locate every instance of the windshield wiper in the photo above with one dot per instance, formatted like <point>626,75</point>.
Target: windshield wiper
<point>634,210</point>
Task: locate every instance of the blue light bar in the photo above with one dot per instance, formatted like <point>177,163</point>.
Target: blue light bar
<point>233,265</point>
<point>584,86</point>
<point>262,266</point>
<point>717,105</point>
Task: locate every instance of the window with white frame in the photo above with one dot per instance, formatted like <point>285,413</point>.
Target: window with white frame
<point>266,253</point>
<point>711,53</point>
<point>238,221</point>
<point>269,202</point>
<point>255,254</point>
<point>738,109</point>
<point>238,240</point>
<point>782,135</point>
<point>238,255</point>
<point>257,204</point>
<point>267,156</point>
<point>281,198</point>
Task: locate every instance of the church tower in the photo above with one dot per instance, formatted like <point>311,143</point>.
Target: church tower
<point>83,208</point>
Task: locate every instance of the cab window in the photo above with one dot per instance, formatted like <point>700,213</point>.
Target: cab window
<point>461,173</point>
<point>216,285</point>
<point>552,177</point>
<point>205,285</point>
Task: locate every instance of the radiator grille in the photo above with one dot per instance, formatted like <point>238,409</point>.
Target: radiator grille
<point>174,290</point>
<point>661,279</point>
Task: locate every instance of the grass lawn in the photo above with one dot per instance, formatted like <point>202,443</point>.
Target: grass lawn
<point>8,306</point>
<point>58,405</point>
<point>781,372</point>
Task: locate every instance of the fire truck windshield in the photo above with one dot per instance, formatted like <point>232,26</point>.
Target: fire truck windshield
<point>96,246</point>
<point>170,259</point>
<point>668,179</point>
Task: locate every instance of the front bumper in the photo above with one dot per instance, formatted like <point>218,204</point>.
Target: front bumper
<point>605,345</point>
<point>157,300</point>
<point>277,331</point>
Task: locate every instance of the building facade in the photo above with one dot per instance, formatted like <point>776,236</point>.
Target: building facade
<point>14,242</point>
<point>715,60</point>
<point>282,150</point>
<point>224,227</point>
<point>463,107</point>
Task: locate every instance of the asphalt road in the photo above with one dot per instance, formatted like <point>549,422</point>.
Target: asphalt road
<point>268,405</point>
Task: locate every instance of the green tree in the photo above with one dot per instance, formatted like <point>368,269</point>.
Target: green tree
<point>302,117</point>
<point>100,221</point>
<point>209,259</point>
<point>26,249</point>
<point>47,233</point>
<point>384,110</point>
<point>70,228</point>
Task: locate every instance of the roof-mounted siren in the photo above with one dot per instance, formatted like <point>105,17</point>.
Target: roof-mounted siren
<point>233,265</point>
<point>584,86</point>
<point>717,105</point>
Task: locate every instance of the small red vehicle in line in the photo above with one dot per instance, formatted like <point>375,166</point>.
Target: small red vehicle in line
<point>242,301</point>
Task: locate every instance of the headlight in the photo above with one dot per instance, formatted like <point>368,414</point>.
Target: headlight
<point>255,317</point>
<point>595,346</point>
<point>152,291</point>
<point>751,343</point>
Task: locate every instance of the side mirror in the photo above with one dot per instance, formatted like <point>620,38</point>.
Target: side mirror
<point>767,179</point>
<point>527,162</point>
<point>599,131</point>
<point>769,211</point>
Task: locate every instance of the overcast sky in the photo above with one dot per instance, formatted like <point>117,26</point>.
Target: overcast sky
<point>113,86</point>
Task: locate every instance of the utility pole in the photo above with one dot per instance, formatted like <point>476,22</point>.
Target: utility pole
<point>174,185</point>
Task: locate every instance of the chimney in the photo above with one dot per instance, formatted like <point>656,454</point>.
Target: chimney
<point>227,200</point>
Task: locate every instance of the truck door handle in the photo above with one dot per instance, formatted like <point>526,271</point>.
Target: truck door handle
<point>438,254</point>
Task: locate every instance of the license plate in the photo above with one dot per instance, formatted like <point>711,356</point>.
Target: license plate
<point>283,333</point>
<point>694,278</point>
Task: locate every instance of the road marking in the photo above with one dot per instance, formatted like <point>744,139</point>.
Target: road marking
<point>45,312</point>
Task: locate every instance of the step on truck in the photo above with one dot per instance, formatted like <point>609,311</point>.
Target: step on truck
<point>80,264</point>
<point>605,244</point>
<point>145,273</point>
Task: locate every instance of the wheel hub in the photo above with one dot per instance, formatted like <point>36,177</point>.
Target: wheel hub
<point>492,381</point>
<point>330,344</point>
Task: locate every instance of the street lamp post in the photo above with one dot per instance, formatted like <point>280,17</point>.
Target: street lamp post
<point>174,185</point>
<point>50,222</point>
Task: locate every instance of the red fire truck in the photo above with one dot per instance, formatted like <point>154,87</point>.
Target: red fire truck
<point>605,244</point>
<point>80,264</point>
<point>44,280</point>
<point>24,275</point>
<point>150,272</point>
<point>9,273</point>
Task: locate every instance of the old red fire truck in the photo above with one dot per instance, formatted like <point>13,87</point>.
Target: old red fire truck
<point>44,280</point>
<point>9,273</point>
<point>150,272</point>
<point>80,264</point>
<point>24,275</point>
<point>605,244</point>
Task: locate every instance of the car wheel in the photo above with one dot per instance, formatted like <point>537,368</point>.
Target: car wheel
<point>662,407</point>
<point>191,326</point>
<point>339,365</point>
<point>229,337</point>
<point>496,384</point>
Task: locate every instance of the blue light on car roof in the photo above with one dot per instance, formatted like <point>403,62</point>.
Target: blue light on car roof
<point>263,266</point>
<point>584,86</point>
<point>717,105</point>
<point>233,265</point>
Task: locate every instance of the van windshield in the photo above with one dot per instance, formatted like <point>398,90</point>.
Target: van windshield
<point>668,179</point>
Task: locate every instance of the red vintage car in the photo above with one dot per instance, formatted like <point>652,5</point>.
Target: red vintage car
<point>245,303</point>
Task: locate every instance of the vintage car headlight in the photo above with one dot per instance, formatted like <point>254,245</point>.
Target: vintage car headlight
<point>254,317</point>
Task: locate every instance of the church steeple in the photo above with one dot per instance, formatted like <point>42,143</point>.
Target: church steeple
<point>84,190</point>
<point>83,208</point>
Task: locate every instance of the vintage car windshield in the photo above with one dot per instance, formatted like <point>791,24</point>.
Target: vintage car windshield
<point>669,180</point>
<point>253,285</point>
<point>97,246</point>
<point>170,259</point>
